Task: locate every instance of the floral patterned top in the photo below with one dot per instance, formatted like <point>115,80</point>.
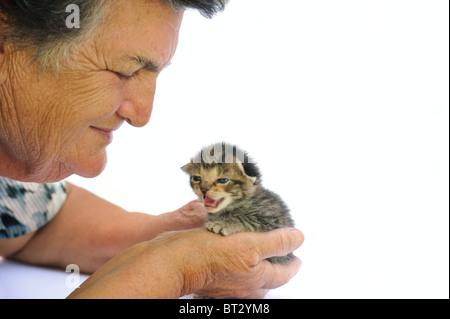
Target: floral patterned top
<point>25,207</point>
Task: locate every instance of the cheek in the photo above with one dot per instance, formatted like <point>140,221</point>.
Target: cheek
<point>96,99</point>
<point>219,189</point>
<point>88,105</point>
<point>75,114</point>
<point>234,190</point>
<point>197,190</point>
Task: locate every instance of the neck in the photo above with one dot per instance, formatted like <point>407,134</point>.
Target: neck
<point>10,168</point>
<point>17,170</point>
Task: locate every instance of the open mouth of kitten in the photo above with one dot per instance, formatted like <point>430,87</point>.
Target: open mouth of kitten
<point>211,203</point>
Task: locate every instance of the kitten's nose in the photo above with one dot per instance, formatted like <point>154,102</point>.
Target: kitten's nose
<point>204,190</point>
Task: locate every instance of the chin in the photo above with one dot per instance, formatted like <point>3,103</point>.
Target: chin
<point>211,210</point>
<point>91,167</point>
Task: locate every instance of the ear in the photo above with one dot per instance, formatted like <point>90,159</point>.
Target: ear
<point>242,168</point>
<point>187,168</point>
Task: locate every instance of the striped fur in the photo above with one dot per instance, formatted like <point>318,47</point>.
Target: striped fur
<point>243,204</point>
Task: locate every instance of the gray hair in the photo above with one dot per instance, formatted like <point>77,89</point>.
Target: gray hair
<point>206,7</point>
<point>41,24</point>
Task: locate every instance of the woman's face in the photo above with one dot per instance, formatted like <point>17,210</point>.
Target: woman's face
<point>57,125</point>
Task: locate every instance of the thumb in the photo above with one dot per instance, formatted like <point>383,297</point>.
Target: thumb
<point>192,215</point>
<point>280,242</point>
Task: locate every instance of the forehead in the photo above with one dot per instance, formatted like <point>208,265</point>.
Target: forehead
<point>210,172</point>
<point>147,28</point>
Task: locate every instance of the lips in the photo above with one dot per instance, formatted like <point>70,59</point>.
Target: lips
<point>211,203</point>
<point>106,134</point>
<point>107,130</point>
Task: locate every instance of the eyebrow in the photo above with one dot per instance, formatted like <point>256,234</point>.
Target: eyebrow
<point>146,63</point>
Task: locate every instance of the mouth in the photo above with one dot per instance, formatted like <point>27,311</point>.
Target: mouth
<point>105,133</point>
<point>211,203</point>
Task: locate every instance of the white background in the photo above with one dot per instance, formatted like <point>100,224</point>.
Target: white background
<point>344,105</point>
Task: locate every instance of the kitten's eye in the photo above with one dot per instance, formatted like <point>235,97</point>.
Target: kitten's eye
<point>196,179</point>
<point>223,180</point>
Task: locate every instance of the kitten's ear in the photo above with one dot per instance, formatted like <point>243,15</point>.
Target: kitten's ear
<point>187,168</point>
<point>251,174</point>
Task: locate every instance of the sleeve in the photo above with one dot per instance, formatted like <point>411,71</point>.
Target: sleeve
<point>25,207</point>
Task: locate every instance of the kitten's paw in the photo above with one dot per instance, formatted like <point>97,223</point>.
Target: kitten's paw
<point>225,231</point>
<point>210,226</point>
<point>218,228</point>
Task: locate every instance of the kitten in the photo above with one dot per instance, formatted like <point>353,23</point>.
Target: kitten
<point>229,184</point>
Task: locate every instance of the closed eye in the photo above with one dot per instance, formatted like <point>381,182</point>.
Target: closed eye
<point>124,76</point>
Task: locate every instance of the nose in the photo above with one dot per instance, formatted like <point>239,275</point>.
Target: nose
<point>204,187</point>
<point>137,107</point>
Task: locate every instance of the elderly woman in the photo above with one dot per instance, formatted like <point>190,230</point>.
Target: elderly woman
<point>64,90</point>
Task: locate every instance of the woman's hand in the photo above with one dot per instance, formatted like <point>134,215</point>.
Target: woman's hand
<point>191,215</point>
<point>197,261</point>
<point>236,265</point>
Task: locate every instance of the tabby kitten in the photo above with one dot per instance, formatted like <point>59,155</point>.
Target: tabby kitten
<point>229,184</point>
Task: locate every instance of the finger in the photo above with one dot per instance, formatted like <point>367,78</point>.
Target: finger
<point>276,275</point>
<point>192,215</point>
<point>280,242</point>
<point>197,202</point>
<point>193,205</point>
